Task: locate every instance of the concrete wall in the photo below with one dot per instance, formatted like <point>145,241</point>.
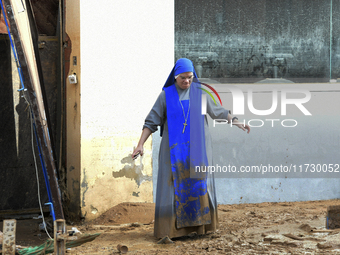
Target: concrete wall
<point>315,140</point>
<point>243,41</point>
<point>126,54</point>
<point>246,39</point>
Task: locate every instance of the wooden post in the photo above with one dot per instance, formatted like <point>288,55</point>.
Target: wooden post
<point>59,240</point>
<point>8,242</point>
<point>333,217</point>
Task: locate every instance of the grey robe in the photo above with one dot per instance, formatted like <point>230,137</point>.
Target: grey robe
<point>165,214</point>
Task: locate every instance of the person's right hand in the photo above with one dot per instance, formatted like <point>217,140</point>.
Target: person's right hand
<point>139,149</point>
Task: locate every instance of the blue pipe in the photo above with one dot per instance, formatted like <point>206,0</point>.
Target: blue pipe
<point>51,209</point>
<point>45,174</point>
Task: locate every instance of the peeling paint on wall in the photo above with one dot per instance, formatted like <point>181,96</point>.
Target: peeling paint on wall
<point>84,186</point>
<point>132,171</point>
<point>93,210</point>
<point>136,194</point>
<point>105,159</point>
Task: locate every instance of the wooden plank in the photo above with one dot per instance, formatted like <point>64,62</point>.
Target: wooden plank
<point>59,237</point>
<point>8,242</point>
<point>333,217</point>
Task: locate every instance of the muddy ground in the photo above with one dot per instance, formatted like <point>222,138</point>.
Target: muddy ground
<point>265,228</point>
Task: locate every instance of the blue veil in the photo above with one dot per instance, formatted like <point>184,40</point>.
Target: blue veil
<point>197,134</point>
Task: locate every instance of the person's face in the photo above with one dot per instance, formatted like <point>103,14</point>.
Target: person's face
<point>184,80</point>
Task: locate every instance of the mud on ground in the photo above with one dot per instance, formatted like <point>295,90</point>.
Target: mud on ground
<point>265,228</point>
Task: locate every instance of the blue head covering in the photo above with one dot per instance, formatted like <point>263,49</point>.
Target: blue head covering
<point>182,65</point>
<point>198,155</point>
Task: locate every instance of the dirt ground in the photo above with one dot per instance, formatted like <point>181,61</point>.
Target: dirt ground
<point>265,228</point>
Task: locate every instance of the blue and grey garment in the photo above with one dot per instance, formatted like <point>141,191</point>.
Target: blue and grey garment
<point>183,204</point>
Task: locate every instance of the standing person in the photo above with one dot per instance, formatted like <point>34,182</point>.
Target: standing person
<point>183,204</point>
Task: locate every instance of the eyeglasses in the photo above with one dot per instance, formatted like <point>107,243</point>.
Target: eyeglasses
<point>186,78</point>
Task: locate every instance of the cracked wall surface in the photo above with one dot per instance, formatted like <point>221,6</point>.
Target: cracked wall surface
<point>110,176</point>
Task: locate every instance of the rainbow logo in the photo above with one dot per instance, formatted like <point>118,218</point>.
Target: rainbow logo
<point>209,93</point>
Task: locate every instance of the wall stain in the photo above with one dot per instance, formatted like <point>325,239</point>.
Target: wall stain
<point>132,171</point>
<point>94,210</point>
<point>75,107</point>
<point>136,194</point>
<point>84,184</point>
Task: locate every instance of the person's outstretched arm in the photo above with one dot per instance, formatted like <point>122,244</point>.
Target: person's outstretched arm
<point>216,111</point>
<point>155,118</point>
<point>145,135</point>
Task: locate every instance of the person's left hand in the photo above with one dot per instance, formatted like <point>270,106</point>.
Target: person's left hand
<point>244,127</point>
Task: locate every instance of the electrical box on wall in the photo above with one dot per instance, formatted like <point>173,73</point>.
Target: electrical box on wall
<point>72,78</point>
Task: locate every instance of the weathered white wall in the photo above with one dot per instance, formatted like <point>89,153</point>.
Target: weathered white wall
<point>127,51</point>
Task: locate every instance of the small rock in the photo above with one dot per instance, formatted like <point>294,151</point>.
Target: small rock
<point>324,245</point>
<point>165,240</point>
<point>306,227</point>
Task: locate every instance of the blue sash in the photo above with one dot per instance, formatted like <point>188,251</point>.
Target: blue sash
<point>191,197</point>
